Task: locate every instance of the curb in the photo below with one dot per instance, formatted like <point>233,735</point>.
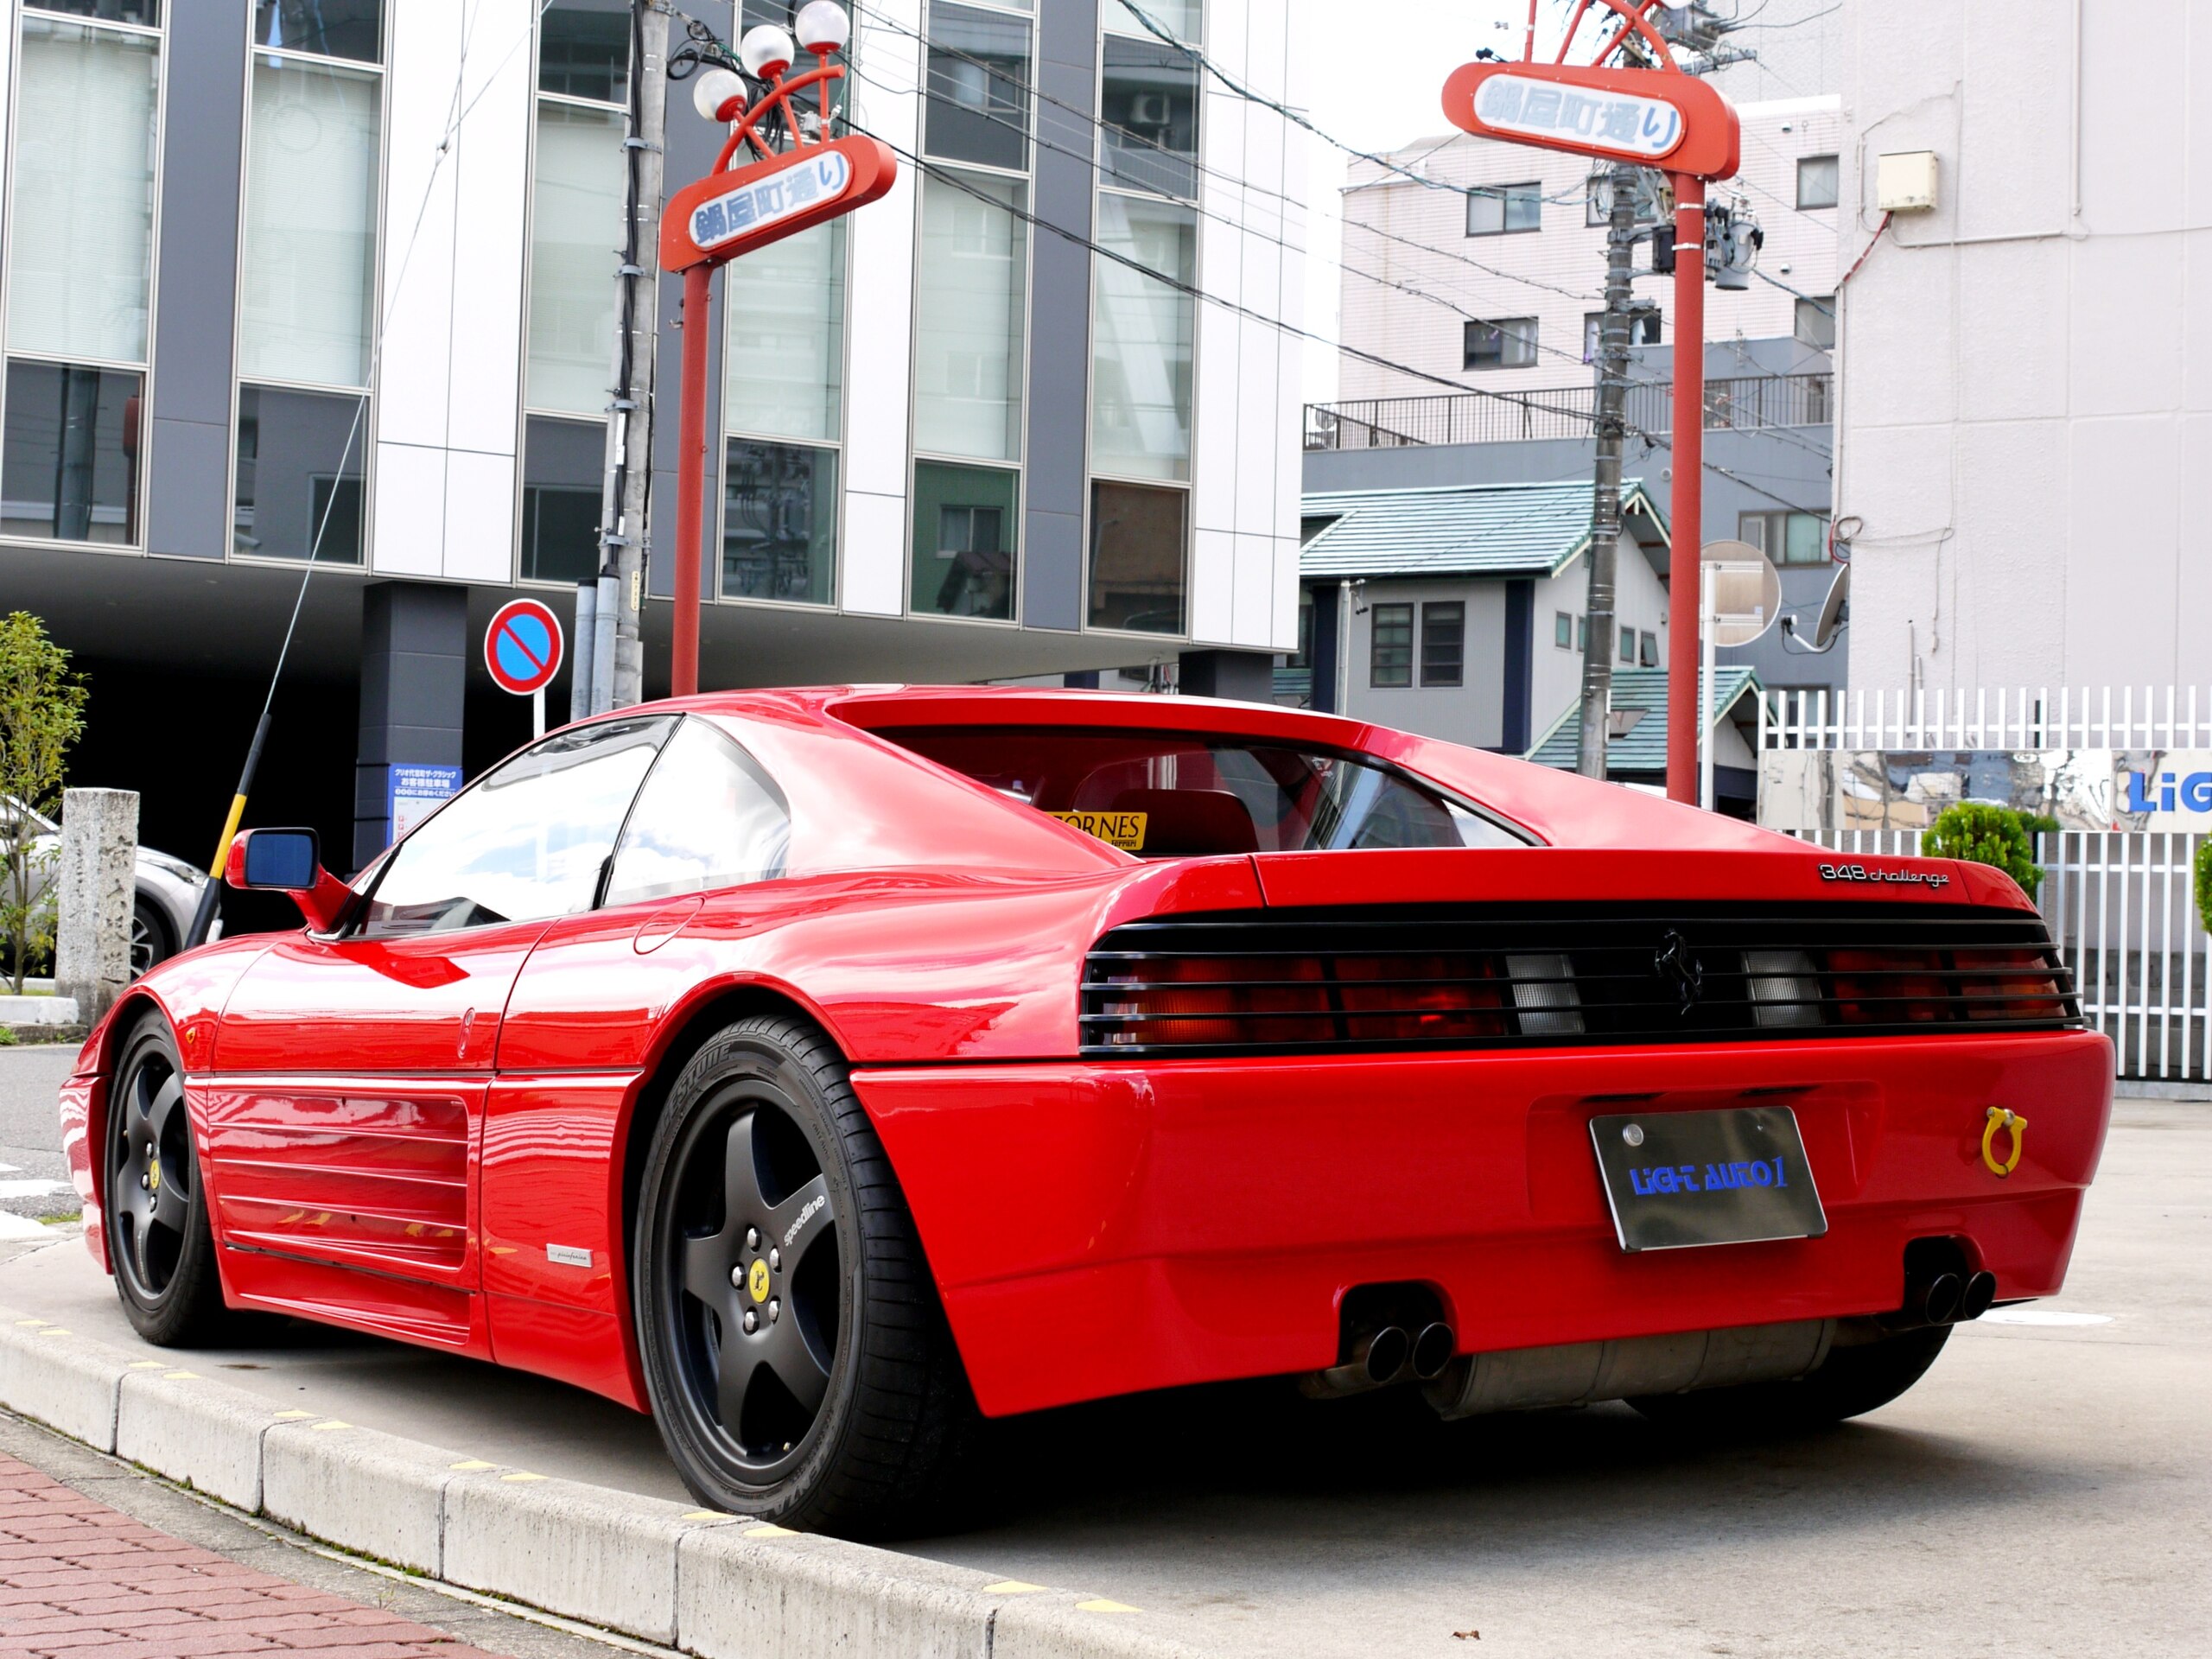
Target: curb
<point>717,1585</point>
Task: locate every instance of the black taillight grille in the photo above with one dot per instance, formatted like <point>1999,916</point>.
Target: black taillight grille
<point>1322,981</point>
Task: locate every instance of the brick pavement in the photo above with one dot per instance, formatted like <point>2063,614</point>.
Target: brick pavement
<point>80,1581</point>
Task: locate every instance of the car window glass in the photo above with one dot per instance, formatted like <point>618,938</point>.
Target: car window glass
<point>526,841</point>
<point>707,817</point>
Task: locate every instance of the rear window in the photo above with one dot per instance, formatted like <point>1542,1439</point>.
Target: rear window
<point>1196,795</point>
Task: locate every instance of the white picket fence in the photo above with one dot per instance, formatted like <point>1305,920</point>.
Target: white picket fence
<point>2121,905</point>
<point>2128,717</point>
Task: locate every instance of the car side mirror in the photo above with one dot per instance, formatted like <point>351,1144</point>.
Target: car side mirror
<point>288,861</point>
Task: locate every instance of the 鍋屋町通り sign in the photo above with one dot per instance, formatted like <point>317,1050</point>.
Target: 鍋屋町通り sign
<point>726,214</point>
<point>1631,115</point>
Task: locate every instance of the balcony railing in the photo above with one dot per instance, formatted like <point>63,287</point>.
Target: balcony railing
<point>1743,402</point>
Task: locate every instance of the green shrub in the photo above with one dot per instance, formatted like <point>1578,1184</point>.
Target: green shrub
<point>2204,885</point>
<point>1995,836</point>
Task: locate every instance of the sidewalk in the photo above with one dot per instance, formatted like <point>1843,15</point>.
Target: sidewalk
<point>81,1579</point>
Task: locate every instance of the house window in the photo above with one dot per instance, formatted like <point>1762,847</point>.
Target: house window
<point>1643,330</point>
<point>1503,209</point>
<point>1138,536</point>
<point>1785,537</point>
<point>1815,324</point>
<point>1443,642</point>
<point>1648,653</point>
<point>1563,629</point>
<point>1582,633</point>
<point>1390,650</point>
<point>1303,657</point>
<point>1509,343</point>
<point>964,520</point>
<point>977,95</point>
<point>1816,181</point>
<point>1628,645</point>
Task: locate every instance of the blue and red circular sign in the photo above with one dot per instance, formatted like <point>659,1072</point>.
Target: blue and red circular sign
<point>522,646</point>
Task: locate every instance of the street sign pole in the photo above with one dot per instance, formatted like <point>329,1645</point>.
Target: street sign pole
<point>690,480</point>
<point>1684,557</point>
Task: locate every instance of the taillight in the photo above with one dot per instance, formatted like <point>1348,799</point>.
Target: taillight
<point>1784,990</point>
<point>1193,1001</point>
<point>1888,987</point>
<point>1397,998</point>
<point>1544,994</point>
<point>2019,985</point>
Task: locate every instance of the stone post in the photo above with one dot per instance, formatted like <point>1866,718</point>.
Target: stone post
<point>96,888</point>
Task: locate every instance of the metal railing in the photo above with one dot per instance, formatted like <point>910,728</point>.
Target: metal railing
<point>1743,402</point>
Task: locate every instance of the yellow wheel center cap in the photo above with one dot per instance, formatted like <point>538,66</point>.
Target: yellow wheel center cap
<point>756,1279</point>
<point>154,1176</point>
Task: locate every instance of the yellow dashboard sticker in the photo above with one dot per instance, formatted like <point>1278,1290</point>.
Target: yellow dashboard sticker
<point>1122,829</point>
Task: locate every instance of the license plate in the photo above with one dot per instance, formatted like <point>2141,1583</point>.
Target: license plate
<point>1680,1179</point>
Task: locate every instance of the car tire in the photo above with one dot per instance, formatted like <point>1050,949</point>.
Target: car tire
<point>1850,1382</point>
<point>159,1245</point>
<point>150,935</point>
<point>797,1359</point>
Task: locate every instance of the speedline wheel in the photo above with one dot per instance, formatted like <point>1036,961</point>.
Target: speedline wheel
<point>797,1362</point>
<point>158,1242</point>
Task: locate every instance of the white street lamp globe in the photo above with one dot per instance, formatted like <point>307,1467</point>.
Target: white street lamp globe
<point>822,27</point>
<point>713,91</point>
<point>766,52</point>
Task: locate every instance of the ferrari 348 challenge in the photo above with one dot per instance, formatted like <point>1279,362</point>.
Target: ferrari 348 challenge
<point>819,1071</point>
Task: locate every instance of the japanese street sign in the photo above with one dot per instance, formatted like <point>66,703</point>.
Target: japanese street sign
<point>1632,115</point>
<point>522,647</point>
<point>726,214</point>
<point>412,793</point>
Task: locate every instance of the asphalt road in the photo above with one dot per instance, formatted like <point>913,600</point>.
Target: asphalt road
<point>2046,1490</point>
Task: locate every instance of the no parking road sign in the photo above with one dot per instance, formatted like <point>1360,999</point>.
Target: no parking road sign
<point>522,649</point>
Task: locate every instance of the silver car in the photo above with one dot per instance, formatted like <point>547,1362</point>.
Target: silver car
<point>168,892</point>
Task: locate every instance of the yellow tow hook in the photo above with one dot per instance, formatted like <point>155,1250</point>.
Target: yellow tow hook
<point>2003,1117</point>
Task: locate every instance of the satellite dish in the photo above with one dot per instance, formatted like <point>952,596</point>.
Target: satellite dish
<point>1744,594</point>
<point>1831,619</point>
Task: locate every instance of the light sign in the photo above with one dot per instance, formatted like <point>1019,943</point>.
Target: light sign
<point>1536,109</point>
<point>1646,116</point>
<point>764,201</point>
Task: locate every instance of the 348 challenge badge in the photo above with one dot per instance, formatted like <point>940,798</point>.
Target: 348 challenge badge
<point>1860,873</point>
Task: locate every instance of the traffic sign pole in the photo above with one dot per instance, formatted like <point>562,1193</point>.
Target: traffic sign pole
<point>691,480</point>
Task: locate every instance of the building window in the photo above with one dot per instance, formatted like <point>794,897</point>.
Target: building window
<point>563,473</point>
<point>1443,642</point>
<point>308,273</point>
<point>583,50</point>
<point>1643,330</point>
<point>81,201</point>
<point>1582,633</point>
<point>1816,181</point>
<point>576,214</point>
<point>1503,209</point>
<point>968,326</point>
<point>1628,645</point>
<point>1137,537</point>
<point>1786,538</point>
<point>1303,657</point>
<point>1597,204</point>
<point>329,28</point>
<point>780,523</point>
<point>69,460</point>
<point>1816,322</point>
<point>1183,19</point>
<point>978,103</point>
<point>147,14</point>
<point>1141,339</point>
<point>1648,653</point>
<point>1563,629</point>
<point>784,338</point>
<point>1390,645</point>
<point>298,490</point>
<point>965,525</point>
<point>1148,117</point>
<point>1509,343</point>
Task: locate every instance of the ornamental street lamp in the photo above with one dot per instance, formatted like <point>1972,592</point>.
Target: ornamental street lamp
<point>778,173</point>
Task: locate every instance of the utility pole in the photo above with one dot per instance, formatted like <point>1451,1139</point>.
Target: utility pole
<point>1606,506</point>
<point>625,498</point>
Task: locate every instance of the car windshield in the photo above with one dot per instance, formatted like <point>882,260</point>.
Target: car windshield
<point>1191,794</point>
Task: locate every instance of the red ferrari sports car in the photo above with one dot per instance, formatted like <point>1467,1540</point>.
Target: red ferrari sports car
<point>819,1070</point>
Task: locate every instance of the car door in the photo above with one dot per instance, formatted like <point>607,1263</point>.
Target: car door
<point>344,1116</point>
<point>580,1023</point>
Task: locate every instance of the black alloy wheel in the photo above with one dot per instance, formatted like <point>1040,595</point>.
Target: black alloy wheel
<point>798,1364</point>
<point>158,1243</point>
<point>149,937</point>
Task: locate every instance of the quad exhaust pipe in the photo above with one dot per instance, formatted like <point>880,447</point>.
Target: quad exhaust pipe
<point>1944,1299</point>
<point>1382,1356</point>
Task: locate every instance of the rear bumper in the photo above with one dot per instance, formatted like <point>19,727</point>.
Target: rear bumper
<point>1103,1229</point>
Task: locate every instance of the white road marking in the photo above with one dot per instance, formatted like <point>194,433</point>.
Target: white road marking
<point>15,1226</point>
<point>31,1189</point>
<point>2042,1316</point>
